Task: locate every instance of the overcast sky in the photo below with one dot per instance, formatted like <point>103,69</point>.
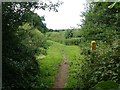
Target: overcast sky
<point>68,14</point>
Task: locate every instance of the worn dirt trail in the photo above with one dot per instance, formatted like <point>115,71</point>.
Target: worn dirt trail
<point>61,76</point>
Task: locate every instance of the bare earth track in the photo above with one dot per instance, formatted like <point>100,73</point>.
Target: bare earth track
<point>61,76</point>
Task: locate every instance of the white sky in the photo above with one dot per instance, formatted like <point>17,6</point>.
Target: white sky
<point>68,14</point>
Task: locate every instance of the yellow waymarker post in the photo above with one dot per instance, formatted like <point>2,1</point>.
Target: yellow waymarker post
<point>93,45</point>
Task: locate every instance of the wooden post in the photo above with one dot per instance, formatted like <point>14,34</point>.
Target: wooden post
<point>93,45</point>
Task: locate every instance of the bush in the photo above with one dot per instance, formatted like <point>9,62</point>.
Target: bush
<point>56,36</point>
<point>20,67</point>
<point>106,85</point>
<point>73,41</point>
<point>68,34</point>
<point>101,65</point>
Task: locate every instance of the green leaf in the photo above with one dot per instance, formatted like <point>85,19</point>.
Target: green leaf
<point>112,5</point>
<point>107,85</point>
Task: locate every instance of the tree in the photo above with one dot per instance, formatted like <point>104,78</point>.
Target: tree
<point>68,34</point>
<point>36,21</point>
<point>20,68</point>
<point>101,24</point>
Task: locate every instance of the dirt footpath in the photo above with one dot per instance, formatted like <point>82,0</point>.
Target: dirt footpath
<point>61,76</point>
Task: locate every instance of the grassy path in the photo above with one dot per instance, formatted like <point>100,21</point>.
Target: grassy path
<point>58,67</point>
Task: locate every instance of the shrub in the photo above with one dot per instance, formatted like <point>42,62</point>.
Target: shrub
<point>106,85</point>
<point>73,41</point>
<point>20,67</point>
<point>101,65</point>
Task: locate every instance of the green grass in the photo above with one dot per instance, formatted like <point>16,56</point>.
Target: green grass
<point>73,55</point>
<point>49,65</point>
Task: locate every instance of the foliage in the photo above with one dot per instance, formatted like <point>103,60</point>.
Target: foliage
<point>98,66</point>
<point>36,21</point>
<point>68,34</point>
<point>72,41</point>
<point>20,67</point>
<point>26,64</point>
<point>31,37</point>
<point>102,25</point>
<point>106,85</point>
<point>22,60</point>
<point>56,36</point>
<point>76,33</point>
<point>60,36</point>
